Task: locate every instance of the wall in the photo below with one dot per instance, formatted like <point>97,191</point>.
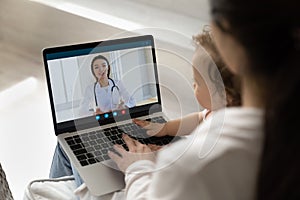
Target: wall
<point>194,8</point>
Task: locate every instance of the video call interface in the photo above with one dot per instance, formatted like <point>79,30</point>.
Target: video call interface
<point>103,82</point>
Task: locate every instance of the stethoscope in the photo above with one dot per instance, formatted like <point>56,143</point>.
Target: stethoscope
<point>115,100</point>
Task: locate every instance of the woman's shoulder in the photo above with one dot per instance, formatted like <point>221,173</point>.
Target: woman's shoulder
<point>227,130</point>
<point>238,118</point>
<point>235,124</point>
<point>241,111</point>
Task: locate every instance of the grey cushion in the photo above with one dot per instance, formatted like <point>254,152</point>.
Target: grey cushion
<point>5,193</point>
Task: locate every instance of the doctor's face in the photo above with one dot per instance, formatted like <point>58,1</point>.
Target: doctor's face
<point>100,68</point>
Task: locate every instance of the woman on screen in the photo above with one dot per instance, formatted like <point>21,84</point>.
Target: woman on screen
<point>105,94</point>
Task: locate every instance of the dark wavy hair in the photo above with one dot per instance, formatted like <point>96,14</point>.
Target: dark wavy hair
<point>103,58</point>
<point>269,31</point>
<point>231,81</point>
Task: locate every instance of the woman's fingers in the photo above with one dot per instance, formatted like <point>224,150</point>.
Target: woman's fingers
<point>139,146</point>
<point>119,149</point>
<point>114,157</point>
<point>154,147</point>
<point>125,159</point>
<point>133,145</point>
<point>118,155</point>
<point>130,143</point>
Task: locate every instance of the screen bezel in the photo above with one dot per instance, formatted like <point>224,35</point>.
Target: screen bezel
<point>89,122</point>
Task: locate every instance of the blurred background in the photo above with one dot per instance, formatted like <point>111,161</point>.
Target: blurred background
<point>27,137</point>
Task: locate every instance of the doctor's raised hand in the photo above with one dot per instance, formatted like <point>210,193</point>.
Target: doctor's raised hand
<point>98,111</point>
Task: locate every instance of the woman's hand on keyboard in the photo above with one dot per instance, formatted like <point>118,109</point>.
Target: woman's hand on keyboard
<point>154,147</point>
<point>153,129</point>
<point>137,151</point>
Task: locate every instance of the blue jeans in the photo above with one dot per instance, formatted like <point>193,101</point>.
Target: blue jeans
<point>61,166</point>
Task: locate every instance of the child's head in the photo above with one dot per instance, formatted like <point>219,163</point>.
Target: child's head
<point>204,64</point>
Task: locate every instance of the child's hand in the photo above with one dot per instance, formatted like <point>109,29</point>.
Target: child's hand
<point>153,129</point>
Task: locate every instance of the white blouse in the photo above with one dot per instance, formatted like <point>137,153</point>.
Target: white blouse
<point>219,160</point>
<point>106,98</point>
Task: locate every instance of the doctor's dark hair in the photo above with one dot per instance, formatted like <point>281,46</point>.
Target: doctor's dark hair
<point>269,31</point>
<point>103,58</point>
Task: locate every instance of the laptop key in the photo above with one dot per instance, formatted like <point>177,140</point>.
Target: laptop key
<point>91,160</point>
<point>100,135</point>
<point>76,146</point>
<point>93,137</point>
<point>81,157</point>
<point>100,141</point>
<point>119,142</point>
<point>75,137</point>
<point>85,138</point>
<point>106,157</point>
<point>90,149</point>
<point>99,159</point>
<point>89,155</point>
<point>69,138</point>
<point>80,151</point>
<point>98,153</point>
<point>106,131</point>
<point>78,140</point>
<point>105,145</point>
<point>113,137</point>
<point>104,151</point>
<point>70,142</point>
<point>86,144</point>
<point>84,163</point>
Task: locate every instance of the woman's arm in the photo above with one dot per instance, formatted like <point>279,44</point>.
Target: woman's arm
<point>164,178</point>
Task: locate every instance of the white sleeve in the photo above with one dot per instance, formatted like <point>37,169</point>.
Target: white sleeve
<point>169,180</point>
<point>163,180</point>
<point>128,100</point>
<point>138,179</point>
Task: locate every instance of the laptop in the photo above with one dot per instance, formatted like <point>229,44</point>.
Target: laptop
<point>85,134</point>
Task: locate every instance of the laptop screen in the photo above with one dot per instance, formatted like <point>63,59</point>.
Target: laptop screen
<point>101,82</point>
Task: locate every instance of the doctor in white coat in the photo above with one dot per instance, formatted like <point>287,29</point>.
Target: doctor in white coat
<point>106,94</point>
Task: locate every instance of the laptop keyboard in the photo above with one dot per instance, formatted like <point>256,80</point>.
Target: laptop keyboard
<point>92,147</point>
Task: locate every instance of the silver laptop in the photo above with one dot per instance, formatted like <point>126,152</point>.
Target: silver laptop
<point>90,117</point>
